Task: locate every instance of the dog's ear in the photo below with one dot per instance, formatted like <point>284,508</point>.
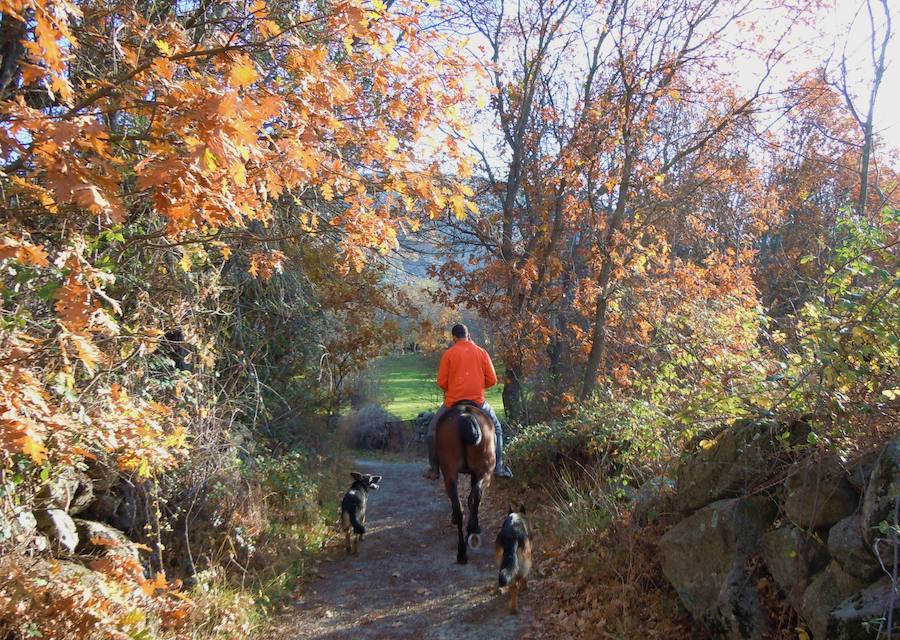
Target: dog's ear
<point>510,510</point>
<point>522,508</point>
<point>356,475</point>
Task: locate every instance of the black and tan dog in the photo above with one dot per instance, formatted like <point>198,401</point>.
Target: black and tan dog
<point>513,549</point>
<point>353,508</point>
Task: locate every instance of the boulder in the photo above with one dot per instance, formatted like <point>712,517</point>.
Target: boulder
<point>738,456</point>
<point>59,528</point>
<point>825,593</point>
<point>104,507</point>
<point>860,470</point>
<point>26,523</point>
<point>882,492</point>
<point>71,490</point>
<point>704,558</point>
<point>99,539</point>
<point>817,494</point>
<point>859,616</point>
<point>123,507</point>
<point>847,547</point>
<point>793,556</point>
<point>40,543</point>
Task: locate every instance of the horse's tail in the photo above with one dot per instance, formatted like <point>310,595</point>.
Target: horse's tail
<point>469,429</point>
<point>509,566</point>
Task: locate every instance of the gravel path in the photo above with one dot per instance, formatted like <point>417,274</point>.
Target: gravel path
<point>405,582</point>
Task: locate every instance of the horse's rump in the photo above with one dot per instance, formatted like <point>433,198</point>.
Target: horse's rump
<point>465,433</point>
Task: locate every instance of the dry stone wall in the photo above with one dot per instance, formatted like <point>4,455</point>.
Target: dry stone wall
<point>822,527</point>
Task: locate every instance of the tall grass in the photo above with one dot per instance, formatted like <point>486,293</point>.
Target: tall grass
<point>580,505</point>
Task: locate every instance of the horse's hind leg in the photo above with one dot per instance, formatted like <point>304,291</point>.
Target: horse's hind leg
<point>474,501</point>
<point>452,487</point>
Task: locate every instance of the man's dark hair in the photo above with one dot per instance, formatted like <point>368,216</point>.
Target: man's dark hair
<point>460,331</point>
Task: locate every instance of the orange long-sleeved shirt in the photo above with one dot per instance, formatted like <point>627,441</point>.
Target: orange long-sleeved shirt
<point>465,372</point>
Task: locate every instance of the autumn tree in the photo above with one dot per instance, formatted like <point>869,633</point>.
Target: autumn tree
<point>212,175</point>
<point>596,175</point>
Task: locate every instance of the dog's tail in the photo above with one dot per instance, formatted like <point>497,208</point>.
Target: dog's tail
<point>509,566</point>
<point>469,429</point>
<point>358,528</point>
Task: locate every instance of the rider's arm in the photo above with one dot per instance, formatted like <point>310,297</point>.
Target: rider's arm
<point>443,379</point>
<point>490,376</point>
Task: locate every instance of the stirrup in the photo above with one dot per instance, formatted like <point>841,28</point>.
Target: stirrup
<point>503,472</point>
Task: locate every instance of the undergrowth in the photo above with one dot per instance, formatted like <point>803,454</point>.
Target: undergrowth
<point>599,573</point>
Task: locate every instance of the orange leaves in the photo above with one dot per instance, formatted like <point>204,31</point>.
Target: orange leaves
<point>242,72</point>
<point>23,251</point>
<point>26,415</point>
<point>74,303</point>
<point>264,265</point>
<point>158,582</point>
<point>51,43</point>
<point>143,435</point>
<point>87,352</point>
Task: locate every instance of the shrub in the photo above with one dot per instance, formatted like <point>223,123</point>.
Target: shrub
<point>366,428</point>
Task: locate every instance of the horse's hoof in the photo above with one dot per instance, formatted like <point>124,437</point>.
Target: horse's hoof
<point>462,560</point>
<point>474,540</point>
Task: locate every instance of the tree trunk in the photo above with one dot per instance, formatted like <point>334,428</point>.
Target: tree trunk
<point>512,396</point>
<point>598,335</point>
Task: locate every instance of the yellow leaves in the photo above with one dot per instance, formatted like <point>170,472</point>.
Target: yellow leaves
<point>88,353</point>
<point>33,449</point>
<point>135,617</point>
<point>392,144</point>
<point>209,159</point>
<point>164,47</point>
<point>458,204</point>
<point>35,192</point>
<point>327,192</point>
<point>243,72</point>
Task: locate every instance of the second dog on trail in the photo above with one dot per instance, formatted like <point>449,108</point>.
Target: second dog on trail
<point>513,549</point>
<point>353,508</point>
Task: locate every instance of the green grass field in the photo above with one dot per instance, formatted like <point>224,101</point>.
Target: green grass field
<point>406,385</point>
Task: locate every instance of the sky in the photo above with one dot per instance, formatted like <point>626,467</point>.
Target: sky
<point>848,22</point>
<point>842,27</point>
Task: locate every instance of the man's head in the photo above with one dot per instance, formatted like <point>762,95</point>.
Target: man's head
<point>460,332</point>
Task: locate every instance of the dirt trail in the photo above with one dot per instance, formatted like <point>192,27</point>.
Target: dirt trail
<point>405,582</point>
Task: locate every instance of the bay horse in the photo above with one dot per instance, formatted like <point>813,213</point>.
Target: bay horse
<point>464,441</point>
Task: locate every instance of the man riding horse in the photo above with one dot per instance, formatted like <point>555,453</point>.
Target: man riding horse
<point>465,372</point>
